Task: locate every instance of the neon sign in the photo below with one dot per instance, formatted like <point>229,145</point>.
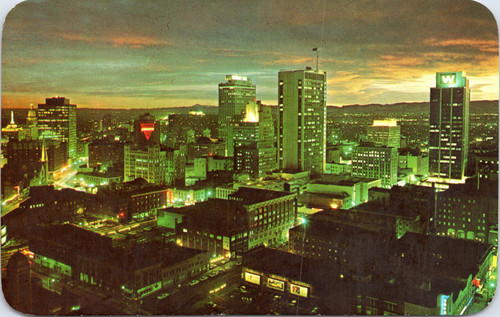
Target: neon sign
<point>147,129</point>
<point>444,304</point>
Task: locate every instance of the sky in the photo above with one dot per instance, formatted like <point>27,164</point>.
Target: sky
<point>166,53</point>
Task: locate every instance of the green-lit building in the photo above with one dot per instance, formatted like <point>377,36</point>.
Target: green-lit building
<point>254,150</point>
<point>234,95</point>
<point>372,161</point>
<point>302,120</point>
<point>449,128</point>
<point>57,121</point>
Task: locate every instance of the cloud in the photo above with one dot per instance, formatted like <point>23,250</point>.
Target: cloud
<point>477,43</point>
<point>132,41</point>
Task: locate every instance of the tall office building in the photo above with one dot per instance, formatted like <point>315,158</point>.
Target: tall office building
<point>57,121</point>
<point>254,150</point>
<point>371,161</point>
<point>234,95</point>
<point>449,128</point>
<point>384,132</point>
<point>302,120</point>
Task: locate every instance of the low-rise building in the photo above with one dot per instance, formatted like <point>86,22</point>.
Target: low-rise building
<point>248,218</point>
<point>338,191</point>
<point>89,259</point>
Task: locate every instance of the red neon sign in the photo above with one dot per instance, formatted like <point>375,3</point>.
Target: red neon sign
<point>147,129</point>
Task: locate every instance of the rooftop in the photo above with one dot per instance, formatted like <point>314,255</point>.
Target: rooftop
<point>290,265</point>
<point>251,196</point>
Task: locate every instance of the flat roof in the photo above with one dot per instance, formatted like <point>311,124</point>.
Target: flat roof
<point>250,196</point>
<point>289,265</point>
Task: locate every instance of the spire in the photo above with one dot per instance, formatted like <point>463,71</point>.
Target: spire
<point>43,159</point>
<point>12,118</point>
<point>44,171</point>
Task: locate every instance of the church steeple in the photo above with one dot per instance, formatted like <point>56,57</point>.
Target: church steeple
<point>44,171</point>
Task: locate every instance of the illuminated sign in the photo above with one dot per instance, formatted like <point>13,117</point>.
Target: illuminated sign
<point>147,129</point>
<point>298,290</point>
<point>450,80</point>
<point>276,284</point>
<point>443,303</point>
<point>252,278</point>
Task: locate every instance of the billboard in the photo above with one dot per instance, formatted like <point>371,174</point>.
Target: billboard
<point>276,284</point>
<point>298,290</point>
<point>252,278</point>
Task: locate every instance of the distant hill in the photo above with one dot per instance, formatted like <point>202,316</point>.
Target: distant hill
<point>480,106</point>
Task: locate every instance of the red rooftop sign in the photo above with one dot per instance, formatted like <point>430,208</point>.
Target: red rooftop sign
<point>147,129</point>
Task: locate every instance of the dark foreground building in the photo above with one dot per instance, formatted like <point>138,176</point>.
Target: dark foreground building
<point>68,255</point>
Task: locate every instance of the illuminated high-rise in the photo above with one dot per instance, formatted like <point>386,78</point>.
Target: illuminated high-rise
<point>384,132</point>
<point>302,120</point>
<point>254,150</point>
<point>57,121</point>
<point>449,128</point>
<point>234,95</point>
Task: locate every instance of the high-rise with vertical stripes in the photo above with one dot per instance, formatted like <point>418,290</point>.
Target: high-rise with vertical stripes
<point>449,128</point>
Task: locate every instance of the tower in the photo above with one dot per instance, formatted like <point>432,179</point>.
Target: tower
<point>449,128</point>
<point>57,121</point>
<point>302,120</point>
<point>44,171</point>
<point>234,95</point>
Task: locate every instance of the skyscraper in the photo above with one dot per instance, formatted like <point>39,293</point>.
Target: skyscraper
<point>384,132</point>
<point>234,95</point>
<point>449,128</point>
<point>302,120</point>
<point>254,150</point>
<point>57,121</point>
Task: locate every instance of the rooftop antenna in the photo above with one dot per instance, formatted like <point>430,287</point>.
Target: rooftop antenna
<point>317,57</point>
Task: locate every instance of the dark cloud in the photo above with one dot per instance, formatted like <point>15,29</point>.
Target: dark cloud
<point>122,52</point>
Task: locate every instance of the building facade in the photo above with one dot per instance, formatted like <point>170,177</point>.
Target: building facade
<point>449,128</point>
<point>372,161</point>
<point>302,120</point>
<point>234,94</point>
<point>57,120</point>
<point>384,132</point>
<point>254,151</point>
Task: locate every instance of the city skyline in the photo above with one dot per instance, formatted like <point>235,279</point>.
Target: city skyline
<point>174,54</point>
